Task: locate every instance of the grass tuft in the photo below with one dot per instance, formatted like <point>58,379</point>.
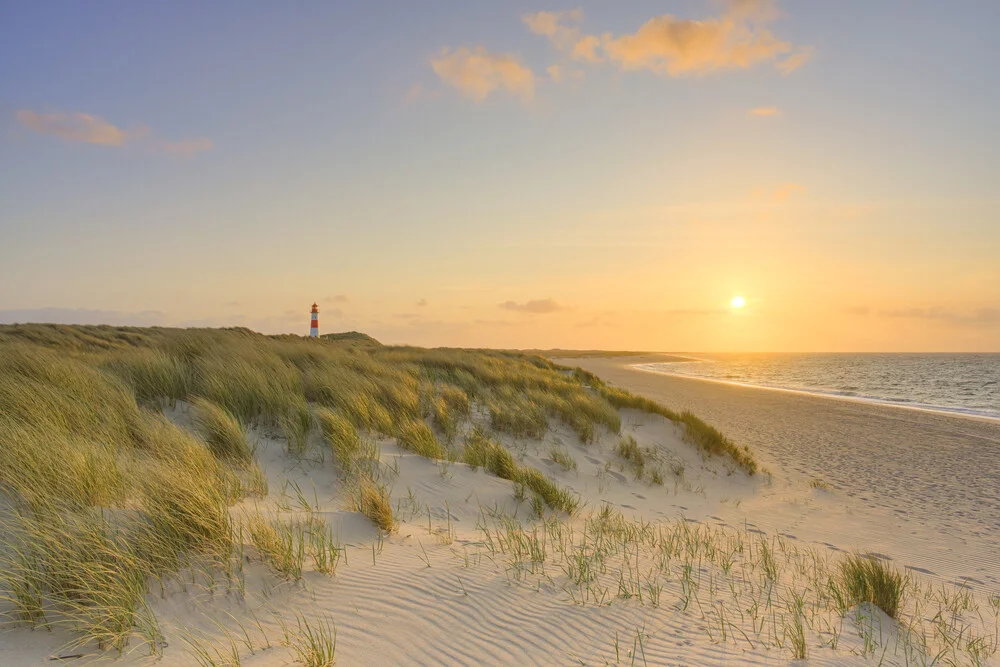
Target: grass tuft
<point>417,437</point>
<point>373,501</point>
<point>867,578</point>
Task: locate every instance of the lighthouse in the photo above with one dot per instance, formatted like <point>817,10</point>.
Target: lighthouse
<point>314,322</point>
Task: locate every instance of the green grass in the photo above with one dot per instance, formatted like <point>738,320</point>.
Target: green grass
<point>225,436</point>
<point>342,436</point>
<point>417,437</point>
<point>481,451</point>
<point>562,456</point>
<point>104,495</point>
<point>867,578</point>
<point>373,501</point>
<point>313,645</point>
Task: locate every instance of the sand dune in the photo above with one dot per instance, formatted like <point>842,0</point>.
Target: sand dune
<point>451,586</point>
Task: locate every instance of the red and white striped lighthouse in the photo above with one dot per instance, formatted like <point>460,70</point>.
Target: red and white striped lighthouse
<point>314,322</point>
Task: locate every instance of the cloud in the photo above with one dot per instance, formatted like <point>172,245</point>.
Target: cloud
<point>536,306</point>
<point>477,73</point>
<point>78,127</point>
<point>979,316</point>
<point>796,60</point>
<point>421,303</point>
<point>764,111</point>
<point>553,25</point>
<point>738,39</point>
<point>336,298</point>
<point>699,311</point>
<point>783,192</point>
<point>84,128</point>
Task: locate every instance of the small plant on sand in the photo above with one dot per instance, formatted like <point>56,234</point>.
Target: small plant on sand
<point>816,483</point>
<point>223,434</point>
<point>562,456</point>
<point>313,645</point>
<point>280,544</point>
<point>867,578</point>
<point>629,450</point>
<point>373,501</point>
<point>480,451</point>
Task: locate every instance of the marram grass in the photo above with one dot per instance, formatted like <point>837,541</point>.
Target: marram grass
<point>105,495</point>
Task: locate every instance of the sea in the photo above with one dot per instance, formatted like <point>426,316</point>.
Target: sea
<point>966,384</point>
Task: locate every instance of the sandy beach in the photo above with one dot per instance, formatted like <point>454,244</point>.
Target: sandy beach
<point>927,480</point>
<point>604,534</point>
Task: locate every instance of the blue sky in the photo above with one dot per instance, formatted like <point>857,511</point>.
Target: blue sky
<point>230,163</point>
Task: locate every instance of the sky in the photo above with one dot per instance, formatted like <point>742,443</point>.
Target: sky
<point>594,175</point>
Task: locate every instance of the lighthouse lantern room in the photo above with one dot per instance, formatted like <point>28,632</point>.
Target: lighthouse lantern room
<point>314,322</point>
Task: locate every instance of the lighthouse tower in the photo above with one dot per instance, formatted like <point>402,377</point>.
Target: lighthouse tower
<point>314,322</point>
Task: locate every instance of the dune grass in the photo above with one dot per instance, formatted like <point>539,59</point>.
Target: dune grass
<point>417,437</point>
<point>224,435</point>
<point>481,451</point>
<point>373,501</point>
<point>867,578</point>
<point>342,435</point>
<point>102,494</point>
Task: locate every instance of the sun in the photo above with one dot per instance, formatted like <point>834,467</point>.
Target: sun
<point>738,302</point>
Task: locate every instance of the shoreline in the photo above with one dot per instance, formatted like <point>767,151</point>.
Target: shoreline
<point>896,473</point>
<point>934,409</point>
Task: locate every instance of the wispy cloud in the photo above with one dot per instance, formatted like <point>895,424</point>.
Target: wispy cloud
<point>85,128</point>
<point>784,191</point>
<point>421,303</point>
<point>978,316</point>
<point>477,73</point>
<point>536,306</point>
<point>764,111</point>
<point>336,298</point>
<point>796,60</point>
<point>985,316</point>
<point>737,39</point>
<point>79,127</point>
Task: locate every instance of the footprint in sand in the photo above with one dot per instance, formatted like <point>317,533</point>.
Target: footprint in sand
<point>639,496</point>
<point>619,477</point>
<point>920,570</point>
<point>596,462</point>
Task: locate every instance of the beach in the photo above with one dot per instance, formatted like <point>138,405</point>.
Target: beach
<point>277,500</point>
<point>922,469</point>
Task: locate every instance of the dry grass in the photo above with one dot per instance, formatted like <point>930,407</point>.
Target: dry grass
<point>223,434</point>
<point>342,436</point>
<point>373,501</point>
<point>417,437</point>
<point>105,495</point>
